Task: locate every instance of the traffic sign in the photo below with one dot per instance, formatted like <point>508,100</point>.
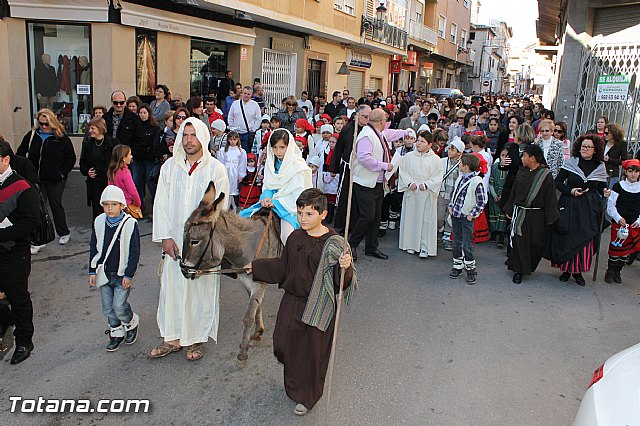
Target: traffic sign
<point>485,84</point>
<point>488,75</point>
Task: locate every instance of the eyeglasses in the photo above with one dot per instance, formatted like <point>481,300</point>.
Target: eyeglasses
<point>493,115</point>
<point>587,147</point>
<point>45,124</point>
<point>181,117</point>
<point>118,102</point>
<point>364,116</point>
<point>606,133</point>
<point>291,104</point>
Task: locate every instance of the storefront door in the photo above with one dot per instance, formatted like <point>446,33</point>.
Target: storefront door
<point>278,77</point>
<point>314,75</point>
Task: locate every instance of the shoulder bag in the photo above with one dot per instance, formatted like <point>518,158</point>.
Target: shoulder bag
<point>101,276</point>
<point>252,135</point>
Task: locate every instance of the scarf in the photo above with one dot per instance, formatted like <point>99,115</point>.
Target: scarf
<point>571,164</point>
<point>321,303</point>
<point>520,212</point>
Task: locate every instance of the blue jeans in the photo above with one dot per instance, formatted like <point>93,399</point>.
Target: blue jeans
<point>462,230</point>
<point>114,301</point>
<point>244,142</point>
<point>143,172</point>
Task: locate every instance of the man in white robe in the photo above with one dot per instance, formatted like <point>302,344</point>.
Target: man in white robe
<point>188,310</point>
<point>420,179</point>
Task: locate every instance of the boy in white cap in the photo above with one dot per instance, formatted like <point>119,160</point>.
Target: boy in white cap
<point>219,139</point>
<point>322,147</point>
<point>114,252</point>
<point>450,166</point>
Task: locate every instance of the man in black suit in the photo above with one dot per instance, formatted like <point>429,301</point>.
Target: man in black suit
<point>45,82</point>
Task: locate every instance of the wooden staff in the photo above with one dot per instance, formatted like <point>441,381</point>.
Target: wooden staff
<point>332,358</point>
<point>599,237</point>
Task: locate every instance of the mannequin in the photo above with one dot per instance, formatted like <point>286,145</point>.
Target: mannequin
<point>45,82</point>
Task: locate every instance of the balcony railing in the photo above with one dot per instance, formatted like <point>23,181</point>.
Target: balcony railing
<point>419,32</point>
<point>384,33</point>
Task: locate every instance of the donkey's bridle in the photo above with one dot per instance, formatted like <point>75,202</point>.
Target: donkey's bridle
<point>196,268</point>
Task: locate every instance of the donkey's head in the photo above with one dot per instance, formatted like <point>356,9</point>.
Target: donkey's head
<point>200,250</point>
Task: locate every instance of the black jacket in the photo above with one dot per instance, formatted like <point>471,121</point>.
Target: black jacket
<point>144,148</point>
<point>130,129</point>
<point>99,163</point>
<point>53,160</point>
<point>24,168</point>
<point>617,154</point>
<point>24,209</point>
<point>334,111</point>
<point>45,80</point>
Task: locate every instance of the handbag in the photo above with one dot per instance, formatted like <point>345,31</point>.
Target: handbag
<point>134,211</point>
<point>252,135</point>
<point>44,232</point>
<point>101,276</point>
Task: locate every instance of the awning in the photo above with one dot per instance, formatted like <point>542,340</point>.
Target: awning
<point>160,20</point>
<point>67,10</point>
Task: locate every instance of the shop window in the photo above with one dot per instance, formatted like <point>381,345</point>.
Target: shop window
<point>146,63</point>
<point>60,72</point>
<point>208,66</point>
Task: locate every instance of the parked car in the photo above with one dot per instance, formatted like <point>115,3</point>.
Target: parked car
<point>446,92</point>
<point>612,396</point>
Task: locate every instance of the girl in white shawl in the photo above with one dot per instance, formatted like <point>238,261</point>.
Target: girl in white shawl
<point>286,175</point>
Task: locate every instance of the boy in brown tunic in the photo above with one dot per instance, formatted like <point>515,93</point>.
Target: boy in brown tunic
<point>302,348</point>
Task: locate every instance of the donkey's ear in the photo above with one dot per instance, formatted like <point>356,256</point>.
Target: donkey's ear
<point>209,195</point>
<point>211,212</point>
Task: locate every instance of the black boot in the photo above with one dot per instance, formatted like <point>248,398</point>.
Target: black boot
<point>116,338</point>
<point>500,240</point>
<point>631,258</point>
<point>616,272</point>
<point>608,275</point>
<point>579,279</point>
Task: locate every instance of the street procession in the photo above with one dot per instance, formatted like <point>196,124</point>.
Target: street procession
<point>332,212</point>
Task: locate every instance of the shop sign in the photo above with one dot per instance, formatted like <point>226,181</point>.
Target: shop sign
<point>243,53</point>
<point>358,59</point>
<point>83,89</point>
<point>395,65</point>
<point>427,66</point>
<point>282,44</point>
<point>612,88</point>
<point>411,58</point>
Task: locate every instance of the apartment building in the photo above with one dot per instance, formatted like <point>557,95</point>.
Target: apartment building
<point>488,70</point>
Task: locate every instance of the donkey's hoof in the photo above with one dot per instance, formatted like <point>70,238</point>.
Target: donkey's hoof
<point>241,363</point>
<point>255,341</point>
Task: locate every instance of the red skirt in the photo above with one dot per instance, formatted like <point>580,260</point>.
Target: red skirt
<point>481,229</point>
<point>249,198</point>
<point>630,245</point>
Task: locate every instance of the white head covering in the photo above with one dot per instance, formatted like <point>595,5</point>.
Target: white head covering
<point>266,117</point>
<point>113,193</point>
<point>411,132</point>
<point>457,143</point>
<point>293,177</point>
<point>219,125</point>
<point>326,128</point>
<point>315,160</point>
<point>203,135</point>
<point>424,127</point>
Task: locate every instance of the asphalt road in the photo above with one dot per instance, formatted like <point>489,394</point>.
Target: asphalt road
<point>415,346</point>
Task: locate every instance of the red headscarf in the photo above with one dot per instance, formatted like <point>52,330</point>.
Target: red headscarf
<point>326,117</point>
<point>303,140</point>
<point>483,163</point>
<point>302,123</point>
<point>629,163</point>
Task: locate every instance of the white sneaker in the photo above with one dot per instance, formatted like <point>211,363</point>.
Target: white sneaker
<point>36,249</point>
<point>63,240</point>
<point>392,224</point>
<point>423,254</point>
<point>411,251</point>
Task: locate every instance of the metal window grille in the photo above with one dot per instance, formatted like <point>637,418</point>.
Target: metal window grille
<point>278,77</point>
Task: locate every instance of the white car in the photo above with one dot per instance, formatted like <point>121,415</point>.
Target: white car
<point>613,396</point>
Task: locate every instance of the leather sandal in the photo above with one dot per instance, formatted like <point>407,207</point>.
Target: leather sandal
<point>195,352</point>
<point>163,350</point>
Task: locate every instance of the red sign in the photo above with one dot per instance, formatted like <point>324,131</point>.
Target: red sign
<point>411,58</point>
<point>485,84</point>
<point>395,66</point>
<point>427,66</point>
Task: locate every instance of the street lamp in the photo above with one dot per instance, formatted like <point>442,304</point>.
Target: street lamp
<point>376,23</point>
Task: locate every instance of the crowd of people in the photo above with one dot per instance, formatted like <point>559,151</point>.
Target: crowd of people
<point>446,173</point>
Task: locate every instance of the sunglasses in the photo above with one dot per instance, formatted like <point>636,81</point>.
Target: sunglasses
<point>181,117</point>
<point>292,104</point>
<point>558,131</point>
<point>118,102</point>
<point>45,124</point>
<point>606,133</point>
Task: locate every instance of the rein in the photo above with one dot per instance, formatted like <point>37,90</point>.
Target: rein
<point>196,268</point>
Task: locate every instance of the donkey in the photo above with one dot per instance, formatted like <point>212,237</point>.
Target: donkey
<point>215,237</point>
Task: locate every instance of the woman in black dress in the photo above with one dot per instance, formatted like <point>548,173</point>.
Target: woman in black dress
<point>94,160</point>
<point>582,180</point>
